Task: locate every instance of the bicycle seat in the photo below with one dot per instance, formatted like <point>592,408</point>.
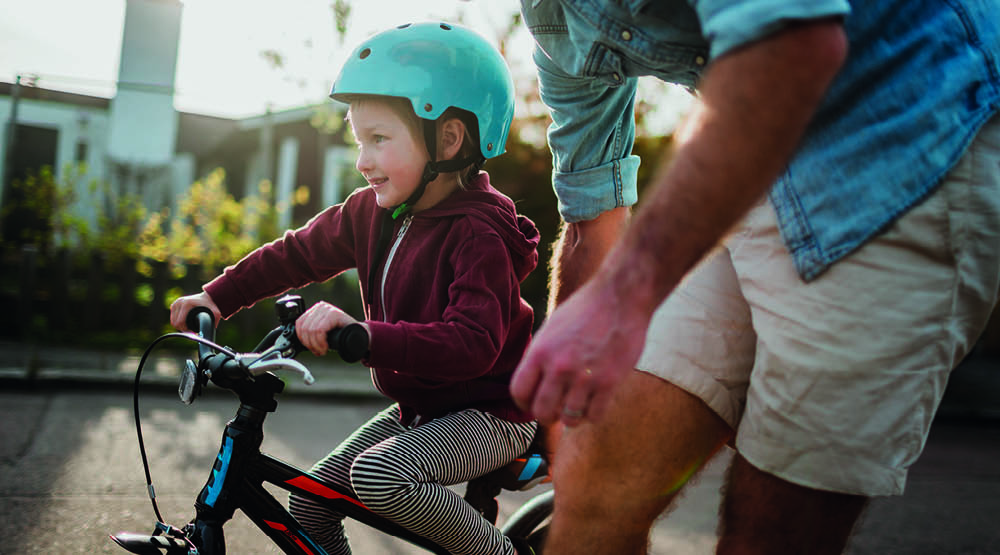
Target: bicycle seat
<point>523,473</point>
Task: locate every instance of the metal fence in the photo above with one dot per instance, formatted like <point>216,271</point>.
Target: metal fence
<point>89,298</point>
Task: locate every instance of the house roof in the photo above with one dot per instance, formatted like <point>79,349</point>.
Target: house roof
<point>49,95</point>
<point>196,133</point>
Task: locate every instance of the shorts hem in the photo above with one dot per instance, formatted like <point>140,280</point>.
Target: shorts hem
<point>823,470</point>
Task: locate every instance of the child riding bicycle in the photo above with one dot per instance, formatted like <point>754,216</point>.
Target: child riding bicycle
<point>440,256</point>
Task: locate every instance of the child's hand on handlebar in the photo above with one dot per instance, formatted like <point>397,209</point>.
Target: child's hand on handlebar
<point>179,309</point>
<point>314,325</point>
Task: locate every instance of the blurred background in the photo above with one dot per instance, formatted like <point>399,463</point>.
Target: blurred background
<point>149,143</point>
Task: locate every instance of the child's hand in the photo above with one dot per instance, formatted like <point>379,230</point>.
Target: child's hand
<point>316,322</point>
<point>179,309</point>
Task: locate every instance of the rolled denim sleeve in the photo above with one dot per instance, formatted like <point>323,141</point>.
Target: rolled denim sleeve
<point>591,136</point>
<point>728,24</point>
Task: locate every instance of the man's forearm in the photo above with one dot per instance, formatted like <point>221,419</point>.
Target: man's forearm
<point>579,250</point>
<point>755,105</point>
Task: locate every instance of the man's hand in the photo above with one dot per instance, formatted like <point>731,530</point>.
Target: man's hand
<point>580,354</point>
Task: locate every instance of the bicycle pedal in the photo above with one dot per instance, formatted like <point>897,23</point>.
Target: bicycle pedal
<point>145,544</point>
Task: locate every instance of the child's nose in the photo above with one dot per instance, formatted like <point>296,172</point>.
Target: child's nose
<point>364,162</point>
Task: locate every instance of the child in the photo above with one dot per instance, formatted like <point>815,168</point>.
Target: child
<point>440,255</point>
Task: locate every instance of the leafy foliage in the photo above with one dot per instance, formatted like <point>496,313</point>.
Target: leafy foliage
<point>212,228</point>
<point>39,214</point>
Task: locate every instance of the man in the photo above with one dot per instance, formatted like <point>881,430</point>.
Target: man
<point>823,241</point>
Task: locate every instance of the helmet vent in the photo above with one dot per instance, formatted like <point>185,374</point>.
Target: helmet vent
<point>365,53</point>
<point>428,107</point>
<point>404,26</point>
<point>446,27</point>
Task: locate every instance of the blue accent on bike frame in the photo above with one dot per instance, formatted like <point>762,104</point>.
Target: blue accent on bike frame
<point>530,467</point>
<point>219,476</point>
<point>319,549</point>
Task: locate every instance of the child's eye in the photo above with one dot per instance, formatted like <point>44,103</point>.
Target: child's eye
<point>379,138</point>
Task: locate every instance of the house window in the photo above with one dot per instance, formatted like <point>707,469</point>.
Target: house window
<point>33,148</point>
<point>338,171</point>
<point>81,151</point>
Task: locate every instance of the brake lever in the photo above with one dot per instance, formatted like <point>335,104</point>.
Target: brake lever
<point>259,367</point>
<point>277,357</point>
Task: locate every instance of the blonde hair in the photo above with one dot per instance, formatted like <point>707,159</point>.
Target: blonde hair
<point>414,124</point>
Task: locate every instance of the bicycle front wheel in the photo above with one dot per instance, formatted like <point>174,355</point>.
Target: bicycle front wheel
<point>531,521</point>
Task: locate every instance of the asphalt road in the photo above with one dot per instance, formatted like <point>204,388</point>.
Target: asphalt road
<point>70,475</point>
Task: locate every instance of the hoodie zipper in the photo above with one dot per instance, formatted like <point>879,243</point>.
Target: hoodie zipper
<point>385,272</point>
<point>388,262</point>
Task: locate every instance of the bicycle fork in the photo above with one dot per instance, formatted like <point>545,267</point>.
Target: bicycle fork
<point>217,502</point>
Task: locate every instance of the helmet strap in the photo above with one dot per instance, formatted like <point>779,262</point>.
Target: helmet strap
<point>432,169</point>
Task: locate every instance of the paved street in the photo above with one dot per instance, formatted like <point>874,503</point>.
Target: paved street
<point>71,474</point>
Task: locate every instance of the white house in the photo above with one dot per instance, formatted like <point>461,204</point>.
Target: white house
<point>140,144</point>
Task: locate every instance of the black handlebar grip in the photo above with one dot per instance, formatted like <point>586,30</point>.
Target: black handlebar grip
<point>201,321</point>
<point>350,341</point>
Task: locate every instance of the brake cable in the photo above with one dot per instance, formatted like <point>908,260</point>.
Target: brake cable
<point>135,402</point>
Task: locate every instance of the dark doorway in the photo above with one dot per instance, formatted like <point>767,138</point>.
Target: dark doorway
<point>27,199</point>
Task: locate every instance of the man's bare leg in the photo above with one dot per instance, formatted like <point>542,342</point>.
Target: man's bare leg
<point>613,478</point>
<point>765,514</point>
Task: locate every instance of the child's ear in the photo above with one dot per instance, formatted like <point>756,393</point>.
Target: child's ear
<point>452,134</point>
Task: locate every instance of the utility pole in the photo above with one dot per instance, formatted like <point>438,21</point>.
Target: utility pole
<point>9,139</point>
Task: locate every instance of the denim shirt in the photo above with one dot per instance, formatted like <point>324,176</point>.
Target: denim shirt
<point>921,77</point>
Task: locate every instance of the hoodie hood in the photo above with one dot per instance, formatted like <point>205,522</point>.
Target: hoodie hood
<point>482,201</point>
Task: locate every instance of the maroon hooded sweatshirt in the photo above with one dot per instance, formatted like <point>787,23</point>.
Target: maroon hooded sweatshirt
<point>448,324</point>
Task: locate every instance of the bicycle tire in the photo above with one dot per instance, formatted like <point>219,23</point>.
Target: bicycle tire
<point>531,521</point>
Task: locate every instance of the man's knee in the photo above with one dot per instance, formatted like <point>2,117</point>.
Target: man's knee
<point>654,438</point>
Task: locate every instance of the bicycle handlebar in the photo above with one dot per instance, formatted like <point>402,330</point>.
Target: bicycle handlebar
<point>279,348</point>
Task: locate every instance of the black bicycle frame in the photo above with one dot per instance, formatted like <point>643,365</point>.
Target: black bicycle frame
<point>237,479</point>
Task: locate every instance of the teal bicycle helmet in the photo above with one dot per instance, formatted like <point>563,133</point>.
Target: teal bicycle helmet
<point>435,66</point>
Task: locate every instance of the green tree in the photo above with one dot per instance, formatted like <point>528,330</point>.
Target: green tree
<point>211,230</point>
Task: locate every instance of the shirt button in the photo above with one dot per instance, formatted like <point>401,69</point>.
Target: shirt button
<point>626,35</point>
<point>700,60</point>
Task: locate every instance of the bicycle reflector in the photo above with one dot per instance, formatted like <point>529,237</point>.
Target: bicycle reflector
<point>189,386</point>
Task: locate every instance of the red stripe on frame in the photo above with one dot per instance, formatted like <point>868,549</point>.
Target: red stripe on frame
<point>312,486</point>
<point>277,526</point>
<point>282,528</point>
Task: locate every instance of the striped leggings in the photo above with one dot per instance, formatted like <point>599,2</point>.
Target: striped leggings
<point>402,474</point>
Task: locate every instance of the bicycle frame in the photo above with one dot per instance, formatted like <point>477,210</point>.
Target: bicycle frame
<point>241,469</point>
<point>237,480</point>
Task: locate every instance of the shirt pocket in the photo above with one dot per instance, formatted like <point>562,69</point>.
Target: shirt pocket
<point>547,23</point>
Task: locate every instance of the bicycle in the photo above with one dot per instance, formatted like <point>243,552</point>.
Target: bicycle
<point>240,470</point>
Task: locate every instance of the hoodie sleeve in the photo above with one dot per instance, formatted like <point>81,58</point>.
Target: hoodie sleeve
<point>317,251</point>
<point>474,327</point>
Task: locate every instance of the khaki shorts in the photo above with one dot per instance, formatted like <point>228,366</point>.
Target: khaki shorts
<point>833,384</point>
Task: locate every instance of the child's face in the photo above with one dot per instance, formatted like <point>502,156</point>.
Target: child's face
<point>389,157</point>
